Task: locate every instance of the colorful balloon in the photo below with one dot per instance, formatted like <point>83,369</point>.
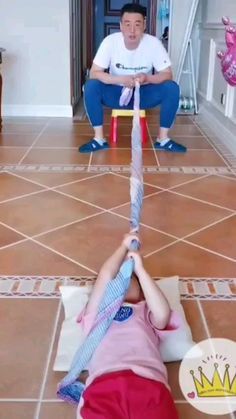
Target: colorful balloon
<point>228,58</point>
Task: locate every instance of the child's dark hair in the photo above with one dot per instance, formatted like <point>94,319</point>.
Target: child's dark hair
<point>133,8</point>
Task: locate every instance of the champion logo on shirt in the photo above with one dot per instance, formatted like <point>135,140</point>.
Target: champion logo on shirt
<point>118,65</point>
<point>123,314</point>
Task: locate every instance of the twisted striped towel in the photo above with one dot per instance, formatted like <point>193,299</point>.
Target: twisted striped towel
<point>70,389</point>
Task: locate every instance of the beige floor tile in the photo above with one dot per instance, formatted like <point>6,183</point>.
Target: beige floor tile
<point>189,261</point>
<point>37,120</point>
<point>22,128</point>
<point>185,130</point>
<point>219,316</point>
<point>66,122</point>
<point>200,158</point>
<point>186,411</point>
<point>197,143</point>
<point>219,238</point>
<point>43,211</point>
<point>57,156</point>
<point>183,120</point>
<point>192,142</point>
<point>8,236</point>
<point>98,190</point>
<point>29,258</point>
<point>168,180</point>
<point>20,410</point>
<point>228,176</point>
<point>121,129</point>
<point>117,157</point>
<point>177,130</point>
<point>72,139</point>
<point>91,241</point>
<point>32,321</point>
<point>175,214</point>
<point>68,128</point>
<point>12,186</point>
<point>57,411</point>
<point>215,189</point>
<point>152,117</point>
<point>124,141</point>
<point>11,155</point>
<point>56,179</point>
<point>17,140</point>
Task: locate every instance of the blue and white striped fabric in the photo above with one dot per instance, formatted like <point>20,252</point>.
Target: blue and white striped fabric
<point>70,389</point>
<point>136,178</point>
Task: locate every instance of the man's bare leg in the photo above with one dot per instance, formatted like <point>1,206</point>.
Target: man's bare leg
<point>163,134</point>
<point>98,133</point>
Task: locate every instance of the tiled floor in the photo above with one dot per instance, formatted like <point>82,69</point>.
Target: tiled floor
<point>62,213</point>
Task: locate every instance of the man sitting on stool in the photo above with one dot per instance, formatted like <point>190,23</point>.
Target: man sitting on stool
<point>131,55</point>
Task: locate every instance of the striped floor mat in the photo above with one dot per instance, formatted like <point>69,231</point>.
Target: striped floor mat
<point>48,287</point>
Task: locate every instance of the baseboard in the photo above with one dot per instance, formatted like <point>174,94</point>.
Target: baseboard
<point>34,110</point>
<point>221,127</point>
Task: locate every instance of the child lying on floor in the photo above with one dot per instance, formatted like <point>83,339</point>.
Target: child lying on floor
<point>127,378</point>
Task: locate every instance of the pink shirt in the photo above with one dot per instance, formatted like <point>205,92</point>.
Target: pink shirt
<point>131,343</point>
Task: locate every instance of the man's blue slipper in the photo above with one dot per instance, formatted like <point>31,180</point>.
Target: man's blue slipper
<point>171,146</point>
<point>92,146</point>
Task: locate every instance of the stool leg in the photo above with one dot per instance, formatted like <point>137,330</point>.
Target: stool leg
<point>144,130</point>
<point>113,132</point>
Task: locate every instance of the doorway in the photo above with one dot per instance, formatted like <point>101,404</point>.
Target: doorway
<point>107,18</point>
<point>163,21</point>
<point>81,46</point>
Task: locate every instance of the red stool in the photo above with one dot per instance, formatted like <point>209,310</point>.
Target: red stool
<point>123,112</point>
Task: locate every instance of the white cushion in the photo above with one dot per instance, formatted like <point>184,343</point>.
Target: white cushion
<point>74,298</point>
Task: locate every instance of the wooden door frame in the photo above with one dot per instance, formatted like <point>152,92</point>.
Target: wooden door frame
<point>90,4</point>
<point>89,31</point>
<point>153,17</point>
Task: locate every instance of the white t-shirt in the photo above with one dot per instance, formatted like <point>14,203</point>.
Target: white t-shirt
<point>114,55</point>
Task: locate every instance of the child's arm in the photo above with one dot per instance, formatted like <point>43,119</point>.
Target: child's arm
<point>155,299</point>
<point>109,271</point>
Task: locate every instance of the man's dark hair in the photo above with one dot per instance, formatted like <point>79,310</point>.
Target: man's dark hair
<point>133,8</point>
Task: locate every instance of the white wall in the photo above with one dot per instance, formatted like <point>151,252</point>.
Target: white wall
<point>217,98</point>
<point>213,10</point>
<point>36,65</point>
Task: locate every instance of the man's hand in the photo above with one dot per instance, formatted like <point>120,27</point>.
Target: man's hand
<point>138,261</point>
<point>128,238</point>
<point>128,81</point>
<point>141,78</point>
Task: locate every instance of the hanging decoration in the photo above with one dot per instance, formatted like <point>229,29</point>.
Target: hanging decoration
<point>228,58</point>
